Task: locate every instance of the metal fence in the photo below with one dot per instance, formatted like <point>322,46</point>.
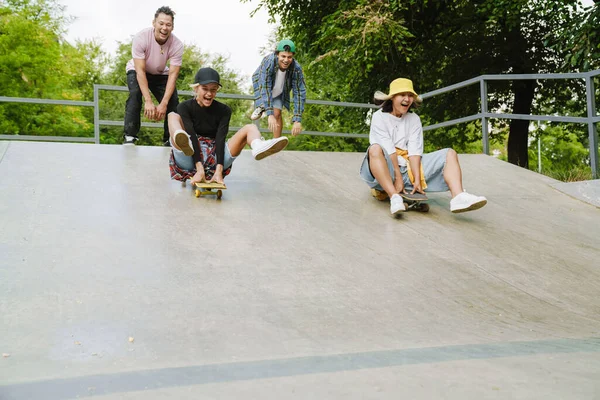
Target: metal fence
<point>484,115</point>
<point>591,120</point>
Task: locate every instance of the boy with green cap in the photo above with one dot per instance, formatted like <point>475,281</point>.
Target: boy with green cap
<point>277,75</point>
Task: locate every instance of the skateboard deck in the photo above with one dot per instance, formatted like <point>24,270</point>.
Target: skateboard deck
<point>208,189</point>
<point>415,201</point>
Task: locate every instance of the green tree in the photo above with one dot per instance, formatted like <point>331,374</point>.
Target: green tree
<point>35,62</point>
<point>579,42</point>
<point>361,45</point>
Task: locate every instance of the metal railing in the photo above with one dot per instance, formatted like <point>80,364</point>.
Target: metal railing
<point>98,121</point>
<point>591,120</point>
<point>484,115</point>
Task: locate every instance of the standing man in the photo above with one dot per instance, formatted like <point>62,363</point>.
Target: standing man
<point>277,75</point>
<point>148,72</point>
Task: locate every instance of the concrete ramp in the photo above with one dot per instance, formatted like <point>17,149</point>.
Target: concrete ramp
<point>588,191</point>
<point>117,283</point>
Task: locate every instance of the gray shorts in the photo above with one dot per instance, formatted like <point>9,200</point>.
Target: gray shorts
<point>433,168</point>
<point>276,102</point>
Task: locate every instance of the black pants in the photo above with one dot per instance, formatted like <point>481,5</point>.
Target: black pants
<point>133,107</point>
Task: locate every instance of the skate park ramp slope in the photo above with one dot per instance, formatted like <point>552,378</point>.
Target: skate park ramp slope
<point>118,283</point>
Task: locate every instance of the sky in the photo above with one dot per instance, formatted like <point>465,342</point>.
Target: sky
<point>215,26</point>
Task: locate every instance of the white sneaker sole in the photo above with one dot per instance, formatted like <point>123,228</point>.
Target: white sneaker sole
<point>183,142</point>
<point>472,207</point>
<point>275,147</point>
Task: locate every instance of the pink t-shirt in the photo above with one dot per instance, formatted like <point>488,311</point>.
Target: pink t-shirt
<point>145,47</point>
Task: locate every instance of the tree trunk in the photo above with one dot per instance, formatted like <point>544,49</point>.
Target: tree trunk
<point>519,129</point>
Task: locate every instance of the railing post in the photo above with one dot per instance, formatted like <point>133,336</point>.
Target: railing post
<point>484,120</point>
<point>96,116</point>
<point>592,131</point>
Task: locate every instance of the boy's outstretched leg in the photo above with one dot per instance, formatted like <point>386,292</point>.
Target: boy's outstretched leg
<point>261,148</point>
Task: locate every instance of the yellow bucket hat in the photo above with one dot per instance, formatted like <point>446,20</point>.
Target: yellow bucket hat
<point>400,85</point>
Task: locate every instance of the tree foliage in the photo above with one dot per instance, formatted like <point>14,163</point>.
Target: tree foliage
<point>579,42</point>
<point>353,47</point>
<point>35,62</point>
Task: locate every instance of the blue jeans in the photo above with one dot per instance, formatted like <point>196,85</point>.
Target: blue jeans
<point>187,162</point>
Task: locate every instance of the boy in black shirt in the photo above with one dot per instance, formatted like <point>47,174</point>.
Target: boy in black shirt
<point>198,131</point>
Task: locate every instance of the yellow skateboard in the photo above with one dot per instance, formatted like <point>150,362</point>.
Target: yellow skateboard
<point>208,189</point>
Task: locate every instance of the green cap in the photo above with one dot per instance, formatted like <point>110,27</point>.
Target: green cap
<point>286,42</point>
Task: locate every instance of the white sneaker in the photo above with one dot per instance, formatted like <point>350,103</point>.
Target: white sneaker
<point>396,204</point>
<point>258,112</point>
<point>263,148</point>
<point>129,140</point>
<point>183,141</point>
<point>466,202</point>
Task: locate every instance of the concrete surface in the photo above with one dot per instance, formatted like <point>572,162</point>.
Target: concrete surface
<point>296,285</point>
<point>588,191</point>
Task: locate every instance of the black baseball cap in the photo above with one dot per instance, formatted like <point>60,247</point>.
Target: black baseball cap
<point>207,75</point>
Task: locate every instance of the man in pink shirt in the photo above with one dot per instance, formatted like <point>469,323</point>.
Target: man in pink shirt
<point>148,72</point>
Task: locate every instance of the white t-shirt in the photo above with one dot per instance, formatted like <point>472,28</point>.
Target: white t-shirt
<point>146,47</point>
<point>279,81</point>
<point>391,132</point>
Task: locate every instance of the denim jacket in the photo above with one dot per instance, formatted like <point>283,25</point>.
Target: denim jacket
<point>263,80</point>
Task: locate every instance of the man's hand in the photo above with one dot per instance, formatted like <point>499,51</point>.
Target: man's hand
<point>198,176</point>
<point>297,128</point>
<point>149,110</point>
<point>273,123</point>
<point>161,111</point>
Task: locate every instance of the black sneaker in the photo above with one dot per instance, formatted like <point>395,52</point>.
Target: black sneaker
<point>130,140</point>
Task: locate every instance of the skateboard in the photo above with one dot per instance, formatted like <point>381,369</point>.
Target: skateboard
<point>209,189</point>
<point>415,201</point>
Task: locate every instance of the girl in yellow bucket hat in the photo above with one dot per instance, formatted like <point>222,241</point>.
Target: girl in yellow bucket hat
<point>395,163</point>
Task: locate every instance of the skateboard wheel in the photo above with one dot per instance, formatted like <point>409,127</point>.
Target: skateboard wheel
<point>197,193</point>
<point>406,205</point>
<point>219,194</point>
<point>425,207</point>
